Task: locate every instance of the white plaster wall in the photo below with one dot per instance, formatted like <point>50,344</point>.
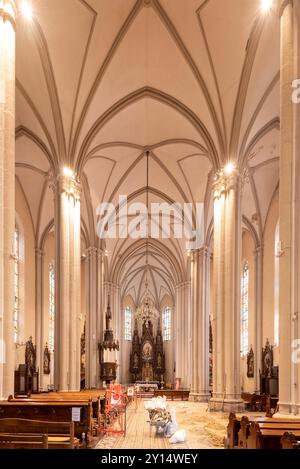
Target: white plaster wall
<point>27,273</point>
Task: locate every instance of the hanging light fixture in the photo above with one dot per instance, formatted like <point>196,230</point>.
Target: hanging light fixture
<point>147,311</point>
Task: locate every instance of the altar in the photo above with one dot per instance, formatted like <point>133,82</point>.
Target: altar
<point>147,386</point>
<point>147,359</point>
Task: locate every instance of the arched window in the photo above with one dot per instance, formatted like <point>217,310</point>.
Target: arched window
<point>51,307</point>
<point>128,323</point>
<point>244,309</point>
<point>16,285</point>
<point>276,287</point>
<point>166,323</point>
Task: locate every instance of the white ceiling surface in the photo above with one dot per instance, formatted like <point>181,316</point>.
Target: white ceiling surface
<point>100,81</point>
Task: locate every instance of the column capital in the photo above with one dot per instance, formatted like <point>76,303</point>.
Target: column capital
<point>66,184</point>
<point>39,252</point>
<point>224,182</point>
<point>8,12</point>
<point>283,4</point>
<point>91,250</point>
<point>258,250</point>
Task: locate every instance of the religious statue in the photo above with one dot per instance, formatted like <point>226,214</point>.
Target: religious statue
<point>46,367</point>
<point>135,361</point>
<point>159,361</point>
<point>250,364</point>
<point>30,357</point>
<point>147,351</point>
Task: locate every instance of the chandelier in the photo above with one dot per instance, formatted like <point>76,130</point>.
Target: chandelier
<point>146,312</point>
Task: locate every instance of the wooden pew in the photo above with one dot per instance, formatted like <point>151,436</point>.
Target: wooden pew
<point>96,396</point>
<point>244,432</point>
<point>289,441</point>
<point>23,441</point>
<point>268,435</point>
<point>60,435</point>
<point>57,411</point>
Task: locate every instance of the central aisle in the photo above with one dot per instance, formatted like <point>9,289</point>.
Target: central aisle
<point>204,430</point>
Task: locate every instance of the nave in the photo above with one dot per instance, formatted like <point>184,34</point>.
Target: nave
<point>149,228</point>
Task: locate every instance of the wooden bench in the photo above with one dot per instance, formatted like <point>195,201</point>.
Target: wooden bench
<point>269,435</point>
<point>290,441</point>
<point>56,411</point>
<point>60,435</point>
<point>96,396</point>
<point>172,394</point>
<point>23,441</point>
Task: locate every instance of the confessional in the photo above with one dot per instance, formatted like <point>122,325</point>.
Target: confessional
<point>269,374</point>
<point>27,375</point>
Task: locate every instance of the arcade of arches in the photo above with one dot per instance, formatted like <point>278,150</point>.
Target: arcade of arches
<point>92,92</point>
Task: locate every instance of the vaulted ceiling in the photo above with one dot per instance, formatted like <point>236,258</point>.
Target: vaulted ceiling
<point>99,82</point>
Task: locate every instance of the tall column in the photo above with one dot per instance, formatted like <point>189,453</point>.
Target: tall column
<point>289,369</point>
<point>183,334</point>
<point>7,194</point>
<point>200,325</point>
<point>67,283</point>
<point>258,255</point>
<point>226,297</point>
<point>94,325</point>
<point>39,318</point>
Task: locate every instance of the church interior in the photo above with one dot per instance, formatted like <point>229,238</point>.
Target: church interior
<point>108,106</point>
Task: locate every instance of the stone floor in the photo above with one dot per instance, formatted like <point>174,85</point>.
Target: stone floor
<point>204,429</point>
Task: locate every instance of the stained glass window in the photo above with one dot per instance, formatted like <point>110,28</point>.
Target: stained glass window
<point>128,323</point>
<point>166,322</point>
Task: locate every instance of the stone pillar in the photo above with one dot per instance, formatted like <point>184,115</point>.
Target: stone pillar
<point>67,283</point>
<point>182,337</point>
<point>94,323</point>
<point>226,297</point>
<point>258,255</point>
<point>200,325</point>
<point>7,194</point>
<point>39,313</point>
<point>289,196</point>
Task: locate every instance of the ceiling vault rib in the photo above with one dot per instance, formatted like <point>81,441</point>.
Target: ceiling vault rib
<point>71,157</point>
<point>121,34</point>
<point>178,40</point>
<point>198,13</point>
<point>268,127</point>
<point>43,50</point>
<point>251,50</point>
<point>39,118</point>
<point>147,92</point>
<point>22,131</point>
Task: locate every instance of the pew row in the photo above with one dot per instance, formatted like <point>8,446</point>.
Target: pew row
<point>23,441</point>
<point>96,396</point>
<point>54,411</point>
<point>290,441</point>
<point>258,433</point>
<point>60,435</point>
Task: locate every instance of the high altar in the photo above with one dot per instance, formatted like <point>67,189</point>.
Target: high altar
<point>147,359</point>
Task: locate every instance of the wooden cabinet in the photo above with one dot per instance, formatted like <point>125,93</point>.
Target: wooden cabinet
<point>26,382</point>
